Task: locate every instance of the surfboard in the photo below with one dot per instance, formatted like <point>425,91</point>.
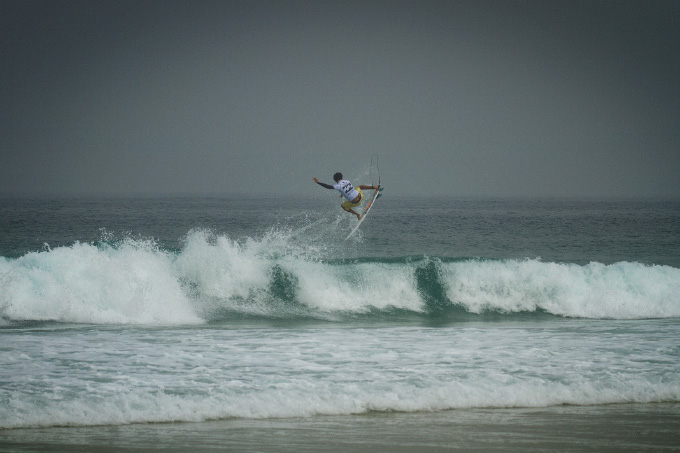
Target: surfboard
<point>367,209</point>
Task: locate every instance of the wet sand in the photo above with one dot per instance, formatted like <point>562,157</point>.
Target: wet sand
<point>615,428</point>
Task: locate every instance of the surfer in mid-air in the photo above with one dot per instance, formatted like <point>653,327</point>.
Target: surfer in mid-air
<point>353,195</point>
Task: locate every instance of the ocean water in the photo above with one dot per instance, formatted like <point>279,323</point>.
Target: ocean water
<point>143,310</point>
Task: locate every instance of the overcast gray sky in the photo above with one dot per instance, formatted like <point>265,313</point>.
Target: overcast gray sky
<point>462,98</point>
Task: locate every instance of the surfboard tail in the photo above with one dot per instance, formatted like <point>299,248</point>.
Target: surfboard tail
<point>368,207</point>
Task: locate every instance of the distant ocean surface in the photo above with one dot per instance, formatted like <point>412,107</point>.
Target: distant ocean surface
<point>116,311</point>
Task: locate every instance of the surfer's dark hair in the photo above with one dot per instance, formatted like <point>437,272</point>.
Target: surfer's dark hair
<point>337,177</point>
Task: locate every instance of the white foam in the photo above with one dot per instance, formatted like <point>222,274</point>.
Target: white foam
<point>222,268</point>
<point>100,377</point>
<point>229,272</point>
<point>130,283</point>
<point>345,399</point>
<point>620,291</point>
<point>357,287</point>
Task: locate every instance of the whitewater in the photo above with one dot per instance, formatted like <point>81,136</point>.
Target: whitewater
<point>118,312</point>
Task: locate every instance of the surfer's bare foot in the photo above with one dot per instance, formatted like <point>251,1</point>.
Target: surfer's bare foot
<point>358,216</point>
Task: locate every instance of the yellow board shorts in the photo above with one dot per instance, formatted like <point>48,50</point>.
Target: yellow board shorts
<point>347,205</point>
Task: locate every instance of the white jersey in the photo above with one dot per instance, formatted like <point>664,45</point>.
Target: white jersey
<point>346,189</point>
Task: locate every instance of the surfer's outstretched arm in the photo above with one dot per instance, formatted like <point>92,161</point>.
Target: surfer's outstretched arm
<point>369,187</point>
<point>327,186</point>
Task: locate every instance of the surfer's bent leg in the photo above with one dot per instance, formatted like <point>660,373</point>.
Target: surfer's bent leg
<point>348,205</point>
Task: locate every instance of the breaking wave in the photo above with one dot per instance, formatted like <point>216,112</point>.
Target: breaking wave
<point>215,278</point>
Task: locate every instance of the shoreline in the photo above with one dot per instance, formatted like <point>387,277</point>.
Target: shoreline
<point>619,427</point>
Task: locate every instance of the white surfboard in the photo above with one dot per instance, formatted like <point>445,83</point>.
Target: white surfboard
<point>367,209</point>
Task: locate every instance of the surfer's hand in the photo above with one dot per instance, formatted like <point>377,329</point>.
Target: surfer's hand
<point>316,180</point>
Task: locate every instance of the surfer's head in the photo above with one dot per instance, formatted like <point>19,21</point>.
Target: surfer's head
<point>337,177</point>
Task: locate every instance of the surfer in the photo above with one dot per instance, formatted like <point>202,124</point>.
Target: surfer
<point>353,195</point>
